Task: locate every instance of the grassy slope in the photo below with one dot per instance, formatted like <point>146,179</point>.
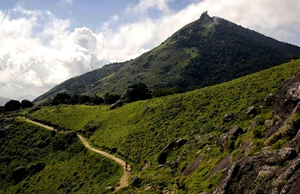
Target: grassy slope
<point>69,167</point>
<point>140,130</point>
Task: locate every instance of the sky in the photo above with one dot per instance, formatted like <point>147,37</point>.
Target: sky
<point>43,43</point>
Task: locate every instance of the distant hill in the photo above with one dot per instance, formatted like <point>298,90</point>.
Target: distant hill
<point>27,97</point>
<point>208,51</point>
<point>3,100</point>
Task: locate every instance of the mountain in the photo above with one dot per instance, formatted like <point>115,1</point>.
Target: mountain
<point>27,97</point>
<point>208,51</point>
<point>3,100</point>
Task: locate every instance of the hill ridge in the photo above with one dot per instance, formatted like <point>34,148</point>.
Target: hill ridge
<point>198,55</point>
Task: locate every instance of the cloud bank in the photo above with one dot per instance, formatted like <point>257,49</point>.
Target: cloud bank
<point>39,50</point>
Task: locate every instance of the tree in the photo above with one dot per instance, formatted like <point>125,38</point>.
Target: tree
<point>140,92</point>
<point>97,100</point>
<point>111,98</point>
<point>26,104</point>
<point>12,105</point>
<point>61,98</point>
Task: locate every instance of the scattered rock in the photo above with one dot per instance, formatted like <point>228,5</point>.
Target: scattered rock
<point>267,170</point>
<point>288,98</point>
<point>268,122</point>
<point>222,165</point>
<point>19,173</point>
<point>192,167</point>
<point>222,140</point>
<point>295,141</point>
<point>180,142</point>
<point>269,98</point>
<point>33,109</point>
<point>146,166</point>
<point>236,131</point>
<point>148,187</point>
<point>228,117</point>
<point>248,169</point>
<point>176,143</point>
<point>35,168</point>
<point>250,111</point>
<point>287,154</point>
<point>127,94</point>
<point>119,103</point>
<point>135,181</point>
<point>110,188</point>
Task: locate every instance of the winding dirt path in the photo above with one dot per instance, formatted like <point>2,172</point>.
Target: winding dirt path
<point>123,182</point>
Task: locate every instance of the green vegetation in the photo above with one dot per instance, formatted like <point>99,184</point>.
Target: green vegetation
<point>35,160</point>
<point>139,131</point>
<point>208,51</point>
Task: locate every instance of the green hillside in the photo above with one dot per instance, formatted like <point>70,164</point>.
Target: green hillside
<point>209,51</point>
<point>139,131</point>
<point>35,160</point>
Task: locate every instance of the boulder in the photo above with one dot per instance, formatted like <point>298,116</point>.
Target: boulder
<point>222,140</point>
<point>228,117</point>
<point>269,98</point>
<point>19,173</point>
<point>110,188</point>
<point>288,98</point>
<point>35,168</point>
<point>33,109</point>
<point>236,131</point>
<point>135,181</point>
<point>250,111</point>
<point>119,103</point>
<point>287,154</point>
<point>244,174</point>
<point>192,167</point>
<point>176,143</point>
<point>127,94</point>
<point>146,166</point>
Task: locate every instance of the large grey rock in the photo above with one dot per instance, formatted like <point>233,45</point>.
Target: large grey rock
<point>127,94</point>
<point>236,131</point>
<point>119,103</point>
<point>269,98</point>
<point>250,111</point>
<point>244,174</point>
<point>176,143</point>
<point>19,173</point>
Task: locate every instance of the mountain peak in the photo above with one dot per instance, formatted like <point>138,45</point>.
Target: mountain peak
<point>205,15</point>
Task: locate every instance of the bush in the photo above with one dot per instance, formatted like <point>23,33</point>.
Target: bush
<point>12,105</point>
<point>26,104</point>
<point>61,98</point>
<point>111,98</point>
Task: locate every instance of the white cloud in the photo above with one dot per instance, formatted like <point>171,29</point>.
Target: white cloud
<point>32,62</point>
<point>144,5</point>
